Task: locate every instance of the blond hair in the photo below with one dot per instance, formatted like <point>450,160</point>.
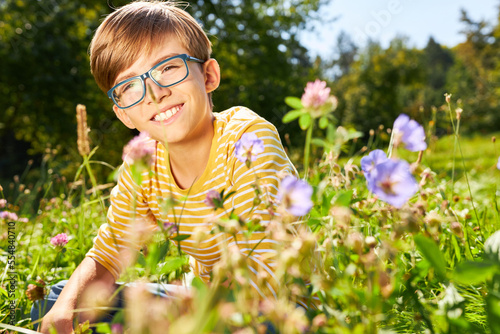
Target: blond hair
<point>137,29</point>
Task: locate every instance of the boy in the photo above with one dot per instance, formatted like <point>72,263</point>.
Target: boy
<point>154,61</point>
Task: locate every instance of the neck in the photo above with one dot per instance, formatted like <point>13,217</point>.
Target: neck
<point>189,159</point>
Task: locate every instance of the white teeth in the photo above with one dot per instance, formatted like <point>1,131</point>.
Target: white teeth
<point>167,114</point>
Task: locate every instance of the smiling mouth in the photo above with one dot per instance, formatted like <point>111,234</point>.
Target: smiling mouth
<point>167,113</point>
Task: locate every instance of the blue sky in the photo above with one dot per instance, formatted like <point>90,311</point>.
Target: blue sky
<point>383,20</point>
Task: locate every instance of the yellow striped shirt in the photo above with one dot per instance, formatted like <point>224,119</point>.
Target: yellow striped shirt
<point>130,203</point>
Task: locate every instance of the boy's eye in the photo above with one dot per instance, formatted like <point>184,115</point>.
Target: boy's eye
<point>169,67</point>
<point>127,86</point>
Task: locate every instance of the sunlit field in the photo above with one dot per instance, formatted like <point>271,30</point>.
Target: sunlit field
<point>399,237</point>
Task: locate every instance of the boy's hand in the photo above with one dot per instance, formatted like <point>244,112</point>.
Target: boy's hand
<point>61,320</point>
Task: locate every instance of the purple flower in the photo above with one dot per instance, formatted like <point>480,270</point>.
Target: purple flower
<point>392,182</point>
<point>315,94</point>
<point>247,148</point>
<point>169,228</point>
<point>369,162</point>
<point>116,329</point>
<point>11,216</point>
<point>139,149</point>
<point>213,199</point>
<point>3,203</point>
<point>498,164</point>
<point>295,196</point>
<point>59,240</point>
<point>410,133</point>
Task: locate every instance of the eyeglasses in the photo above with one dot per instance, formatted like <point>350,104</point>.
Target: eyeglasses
<point>166,73</point>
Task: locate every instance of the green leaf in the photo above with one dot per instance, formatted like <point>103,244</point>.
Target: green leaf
<point>294,102</point>
<point>305,121</point>
<point>471,272</point>
<point>431,253</point>
<point>172,265</point>
<point>103,328</point>
<point>454,242</point>
<point>292,115</point>
<point>344,199</point>
<point>318,142</point>
<point>323,122</point>
<point>180,237</point>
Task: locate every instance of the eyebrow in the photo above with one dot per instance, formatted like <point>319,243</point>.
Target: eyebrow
<point>134,74</point>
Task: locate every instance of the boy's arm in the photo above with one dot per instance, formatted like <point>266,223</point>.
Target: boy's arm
<point>61,315</point>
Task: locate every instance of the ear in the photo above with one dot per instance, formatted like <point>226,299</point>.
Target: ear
<point>122,116</point>
<point>212,75</point>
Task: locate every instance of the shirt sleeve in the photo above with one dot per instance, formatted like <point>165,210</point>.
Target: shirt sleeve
<point>129,222</point>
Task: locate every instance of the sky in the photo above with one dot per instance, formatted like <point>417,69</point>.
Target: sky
<point>382,20</point>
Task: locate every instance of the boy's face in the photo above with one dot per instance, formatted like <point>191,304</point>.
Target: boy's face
<point>176,114</point>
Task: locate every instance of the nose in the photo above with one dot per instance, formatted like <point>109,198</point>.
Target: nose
<point>155,93</point>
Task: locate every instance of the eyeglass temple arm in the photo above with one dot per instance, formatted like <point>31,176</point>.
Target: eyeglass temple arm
<point>195,59</point>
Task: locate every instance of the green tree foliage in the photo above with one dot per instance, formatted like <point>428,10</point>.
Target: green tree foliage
<point>474,77</point>
<point>380,85</point>
<point>44,72</point>
<point>436,62</point>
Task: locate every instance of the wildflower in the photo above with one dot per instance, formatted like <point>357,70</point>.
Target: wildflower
<point>369,162</point>
<point>36,291</point>
<point>11,216</point>
<point>447,97</point>
<point>169,229</point>
<point>213,199</point>
<point>456,228</point>
<point>3,203</point>
<point>355,241</point>
<point>295,195</point>
<point>139,150</point>
<point>82,130</point>
<point>59,240</point>
<point>498,163</point>
<point>449,298</point>
<point>410,133</point>
<point>392,182</point>
<point>247,148</point>
<point>492,247</point>
<point>370,241</point>
<point>315,94</point>
<point>23,220</point>
<point>459,112</point>
<point>116,328</point>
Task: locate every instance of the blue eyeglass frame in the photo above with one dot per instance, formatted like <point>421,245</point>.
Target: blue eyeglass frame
<point>146,75</point>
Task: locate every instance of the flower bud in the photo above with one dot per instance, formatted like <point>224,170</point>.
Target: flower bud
<point>319,321</point>
<point>36,291</point>
<point>456,228</point>
<point>447,97</point>
<point>355,241</point>
<point>370,241</point>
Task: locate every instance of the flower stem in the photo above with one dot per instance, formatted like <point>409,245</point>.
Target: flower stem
<point>457,144</point>
<point>307,149</point>
<point>391,145</point>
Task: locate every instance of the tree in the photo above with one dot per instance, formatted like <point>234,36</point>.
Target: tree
<point>380,85</point>
<point>475,74</point>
